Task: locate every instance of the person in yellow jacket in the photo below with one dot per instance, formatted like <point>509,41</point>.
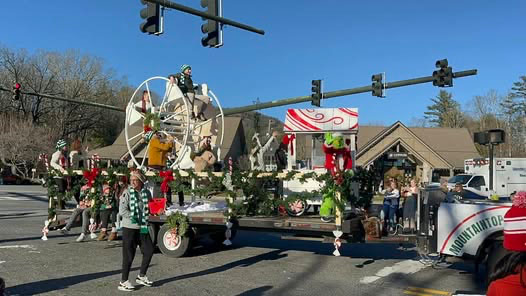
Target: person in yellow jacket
<point>158,149</point>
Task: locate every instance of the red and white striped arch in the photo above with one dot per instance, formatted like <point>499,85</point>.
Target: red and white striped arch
<point>343,120</point>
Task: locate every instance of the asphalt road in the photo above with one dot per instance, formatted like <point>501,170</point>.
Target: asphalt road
<point>256,264</point>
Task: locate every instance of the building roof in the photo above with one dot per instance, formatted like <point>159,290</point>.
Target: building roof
<point>454,145</point>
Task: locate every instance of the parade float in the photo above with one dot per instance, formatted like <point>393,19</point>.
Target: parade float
<point>343,191</point>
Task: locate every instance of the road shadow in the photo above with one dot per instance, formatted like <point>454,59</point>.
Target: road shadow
<point>364,251</point>
<point>256,291</point>
<point>269,256</point>
<point>50,285</point>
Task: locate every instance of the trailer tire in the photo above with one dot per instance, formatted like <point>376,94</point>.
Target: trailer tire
<point>495,253</point>
<point>171,246</point>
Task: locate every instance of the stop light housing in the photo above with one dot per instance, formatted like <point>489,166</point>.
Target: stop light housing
<point>152,18</point>
<point>16,91</point>
<point>317,95</point>
<point>212,28</point>
<point>377,85</point>
<point>443,77</point>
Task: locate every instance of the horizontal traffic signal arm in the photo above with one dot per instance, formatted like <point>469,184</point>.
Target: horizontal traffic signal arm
<point>340,93</point>
<point>190,10</point>
<point>93,104</point>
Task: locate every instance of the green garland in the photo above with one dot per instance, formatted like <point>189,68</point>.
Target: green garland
<point>153,121</point>
<point>256,201</point>
<point>179,222</point>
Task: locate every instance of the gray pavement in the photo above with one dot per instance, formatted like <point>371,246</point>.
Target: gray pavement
<point>256,264</point>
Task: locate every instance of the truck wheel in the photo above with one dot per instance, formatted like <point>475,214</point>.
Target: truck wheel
<point>495,253</point>
<point>171,244</point>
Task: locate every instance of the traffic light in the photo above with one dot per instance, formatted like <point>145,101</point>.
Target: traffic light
<point>317,95</point>
<point>16,91</point>
<point>153,19</point>
<point>377,85</point>
<point>444,75</point>
<point>212,28</point>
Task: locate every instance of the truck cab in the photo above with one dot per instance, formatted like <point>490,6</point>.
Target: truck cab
<point>475,186</point>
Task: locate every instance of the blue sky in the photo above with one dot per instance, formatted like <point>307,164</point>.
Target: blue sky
<point>341,42</point>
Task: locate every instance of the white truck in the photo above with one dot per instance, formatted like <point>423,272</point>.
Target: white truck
<point>509,175</point>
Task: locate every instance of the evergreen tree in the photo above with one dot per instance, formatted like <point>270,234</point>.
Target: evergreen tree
<point>445,111</point>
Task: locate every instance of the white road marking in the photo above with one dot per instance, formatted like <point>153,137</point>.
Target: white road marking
<point>405,267</point>
<point>13,198</point>
<point>2,262</point>
<point>18,246</point>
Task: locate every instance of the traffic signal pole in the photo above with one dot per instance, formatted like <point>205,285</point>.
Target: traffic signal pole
<point>275,103</point>
<point>190,10</point>
<point>340,93</point>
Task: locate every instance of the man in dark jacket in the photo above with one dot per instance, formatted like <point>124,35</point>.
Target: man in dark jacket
<point>281,157</point>
<point>186,85</point>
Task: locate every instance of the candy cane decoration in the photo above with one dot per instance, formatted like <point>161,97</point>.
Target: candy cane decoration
<point>337,242</point>
<point>95,160</point>
<point>45,230</point>
<point>92,228</point>
<point>228,232</point>
<point>43,157</point>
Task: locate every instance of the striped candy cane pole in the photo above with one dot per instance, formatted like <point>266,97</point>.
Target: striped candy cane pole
<point>95,159</point>
<point>43,157</point>
<point>228,232</point>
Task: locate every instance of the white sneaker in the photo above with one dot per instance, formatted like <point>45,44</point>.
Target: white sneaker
<point>81,237</point>
<point>126,286</point>
<point>64,231</point>
<point>143,280</point>
<point>93,235</point>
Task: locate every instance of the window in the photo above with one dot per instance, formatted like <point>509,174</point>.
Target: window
<point>477,181</point>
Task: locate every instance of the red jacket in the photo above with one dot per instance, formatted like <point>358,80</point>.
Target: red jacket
<point>508,286</point>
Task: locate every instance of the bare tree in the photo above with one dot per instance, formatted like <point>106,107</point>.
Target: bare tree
<point>21,142</point>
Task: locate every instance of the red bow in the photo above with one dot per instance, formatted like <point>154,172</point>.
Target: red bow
<point>291,142</point>
<point>90,176</point>
<point>168,177</point>
<point>289,139</point>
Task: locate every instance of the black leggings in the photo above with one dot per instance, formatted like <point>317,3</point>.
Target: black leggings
<point>105,216</point>
<point>130,239</point>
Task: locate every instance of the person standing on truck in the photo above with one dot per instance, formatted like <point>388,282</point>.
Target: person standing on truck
<point>509,277</point>
<point>391,196</point>
<point>133,208</point>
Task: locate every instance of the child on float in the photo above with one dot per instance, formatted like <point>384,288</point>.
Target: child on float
<point>110,208</point>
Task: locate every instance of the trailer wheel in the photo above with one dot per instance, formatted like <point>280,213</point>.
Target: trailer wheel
<point>296,208</point>
<point>171,244</point>
<point>495,253</point>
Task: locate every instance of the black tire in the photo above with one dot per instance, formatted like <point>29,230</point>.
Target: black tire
<point>179,249</point>
<point>18,182</point>
<point>495,253</point>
